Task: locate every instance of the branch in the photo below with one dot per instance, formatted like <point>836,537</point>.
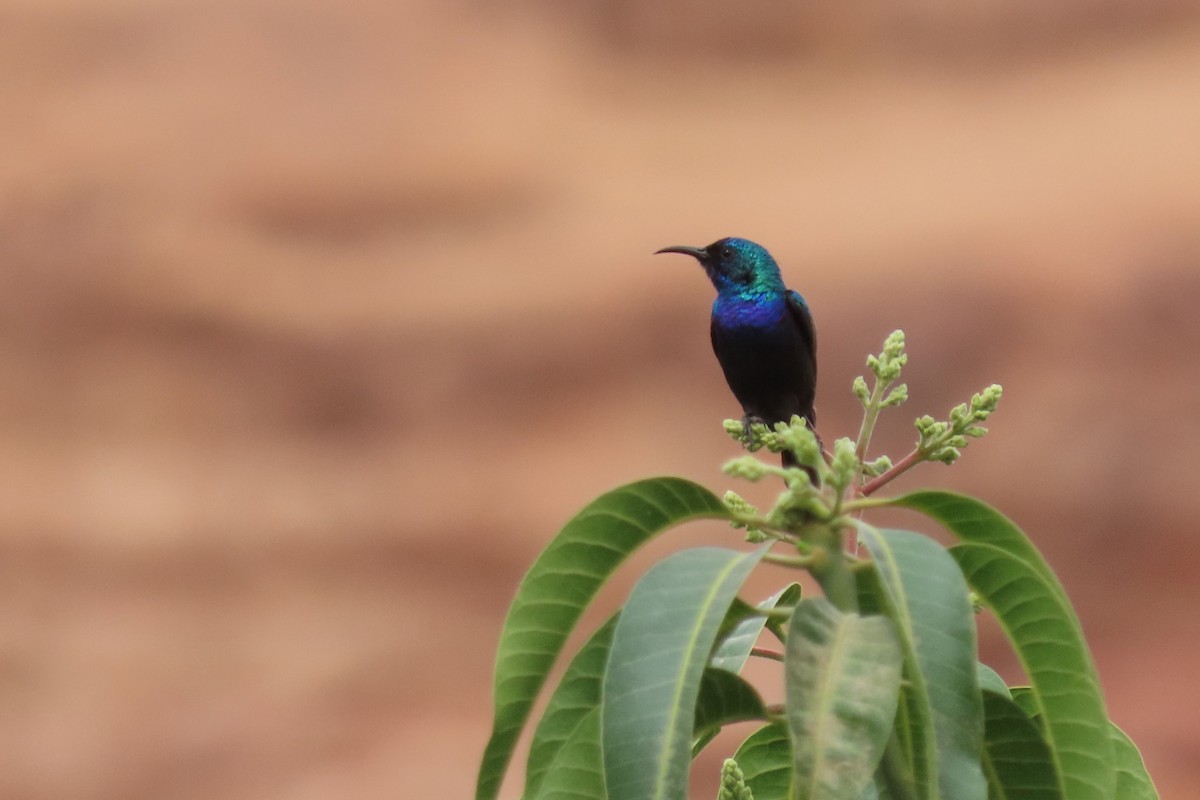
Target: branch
<point>902,466</point>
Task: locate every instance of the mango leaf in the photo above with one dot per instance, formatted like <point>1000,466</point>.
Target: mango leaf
<point>842,680</point>
<point>736,638</point>
<point>931,609</point>
<point>974,521</point>
<point>765,759</point>
<point>1133,782</point>
<point>655,665</point>
<point>1025,698</point>
<point>736,644</point>
<point>1064,685</point>
<point>990,680</point>
<point>559,586</point>
<point>1016,759</point>
<point>876,789</point>
<point>913,730</point>
<point>577,771</point>
<point>577,695</point>
<point>1004,567</point>
<point>788,598</point>
<point>723,699</point>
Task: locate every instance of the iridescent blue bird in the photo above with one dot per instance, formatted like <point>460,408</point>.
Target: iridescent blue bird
<point>762,333</point>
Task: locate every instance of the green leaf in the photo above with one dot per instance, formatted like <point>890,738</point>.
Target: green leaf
<point>913,730</point>
<point>559,586</point>
<point>577,771</point>
<point>1051,649</point>
<point>932,612</point>
<point>723,699</point>
<point>740,617</point>
<point>577,695</point>
<point>1025,698</point>
<point>786,599</point>
<point>1016,759</point>
<point>736,644</point>
<point>990,680</point>
<point>876,789</point>
<point>1004,567</point>
<point>842,677</point>
<point>1133,781</point>
<point>766,762</point>
<point>658,653</point>
<point>975,521</point>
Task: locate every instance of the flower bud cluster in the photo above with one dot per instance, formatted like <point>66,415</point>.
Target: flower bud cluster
<point>887,365</point>
<point>733,783</point>
<point>843,469</point>
<point>741,508</point>
<point>797,437</point>
<point>944,440</point>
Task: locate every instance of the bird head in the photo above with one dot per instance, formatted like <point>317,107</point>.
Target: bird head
<point>735,264</point>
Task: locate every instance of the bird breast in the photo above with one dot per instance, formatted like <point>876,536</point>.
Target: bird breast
<point>752,312</point>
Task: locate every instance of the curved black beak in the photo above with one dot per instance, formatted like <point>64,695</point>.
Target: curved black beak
<point>695,252</point>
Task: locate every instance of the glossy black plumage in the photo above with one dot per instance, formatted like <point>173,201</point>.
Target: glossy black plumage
<point>762,333</point>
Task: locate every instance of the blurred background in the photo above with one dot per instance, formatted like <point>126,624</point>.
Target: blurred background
<point>318,319</point>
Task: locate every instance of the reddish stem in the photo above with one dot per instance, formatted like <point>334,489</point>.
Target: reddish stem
<point>899,468</point>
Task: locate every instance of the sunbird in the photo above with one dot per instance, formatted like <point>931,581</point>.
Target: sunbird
<point>762,333</point>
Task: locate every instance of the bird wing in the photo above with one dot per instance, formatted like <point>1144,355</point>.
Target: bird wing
<point>804,321</point>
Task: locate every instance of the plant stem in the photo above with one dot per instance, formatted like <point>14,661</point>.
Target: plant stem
<point>763,652</point>
<point>800,562</point>
<point>777,712</point>
<point>902,466</point>
<point>856,507</point>
<point>765,527</point>
<point>832,571</point>
<point>869,418</point>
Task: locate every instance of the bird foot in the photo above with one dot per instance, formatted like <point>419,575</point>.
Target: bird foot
<point>747,421</point>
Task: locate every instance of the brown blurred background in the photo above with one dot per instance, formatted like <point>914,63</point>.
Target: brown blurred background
<point>317,319</point>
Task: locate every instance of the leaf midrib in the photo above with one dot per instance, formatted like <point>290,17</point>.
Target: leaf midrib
<point>664,760</point>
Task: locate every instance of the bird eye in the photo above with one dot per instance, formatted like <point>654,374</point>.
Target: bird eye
<point>726,252</point>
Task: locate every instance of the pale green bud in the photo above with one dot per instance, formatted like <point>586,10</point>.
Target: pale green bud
<point>797,478</point>
<point>946,455</point>
<point>893,346</point>
<point>760,435</point>
<point>988,399</point>
<point>878,466</point>
<point>887,365</point>
<point>733,783</point>
<point>861,391</point>
<point>958,413</point>
<point>896,396</point>
<point>977,604</point>
<point>797,437</point>
<point>738,505</point>
<point>845,463</point>
<point>747,467</point>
